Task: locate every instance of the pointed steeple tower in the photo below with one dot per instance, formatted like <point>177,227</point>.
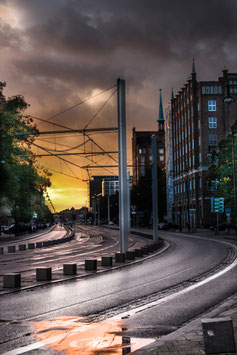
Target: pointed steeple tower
<point>193,69</point>
<point>161,119</point>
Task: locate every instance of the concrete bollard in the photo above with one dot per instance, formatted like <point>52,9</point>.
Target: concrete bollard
<point>31,245</point>
<point>91,264</point>
<point>218,335</point>
<point>150,248</point>
<point>39,244</point>
<point>1,250</point>
<point>11,249</point>
<point>120,257</point>
<point>12,280</point>
<point>139,253</point>
<point>69,269</point>
<point>130,255</point>
<point>44,274</point>
<point>107,261</point>
<point>22,247</point>
<point>145,250</point>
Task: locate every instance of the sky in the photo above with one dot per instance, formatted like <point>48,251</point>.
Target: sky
<point>58,53</point>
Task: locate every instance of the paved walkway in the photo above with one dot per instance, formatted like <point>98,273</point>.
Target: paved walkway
<point>188,340</point>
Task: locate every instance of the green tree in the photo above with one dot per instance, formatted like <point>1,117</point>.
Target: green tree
<point>23,181</point>
<point>224,169</point>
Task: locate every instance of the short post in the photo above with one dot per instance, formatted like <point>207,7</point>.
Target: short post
<point>218,335</point>
<point>11,249</point>
<point>91,264</point>
<point>44,274</point>
<point>107,261</point>
<point>12,280</point>
<point>69,269</point>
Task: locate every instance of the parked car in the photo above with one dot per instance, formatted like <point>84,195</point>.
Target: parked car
<point>173,226</point>
<point>163,226</point>
<point>221,226</point>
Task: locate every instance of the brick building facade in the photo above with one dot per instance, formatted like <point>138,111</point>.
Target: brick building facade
<point>200,119</point>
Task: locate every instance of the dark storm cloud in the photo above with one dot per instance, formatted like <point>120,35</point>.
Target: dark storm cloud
<point>88,44</point>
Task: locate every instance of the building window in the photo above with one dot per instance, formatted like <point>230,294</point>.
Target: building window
<point>193,184</point>
<point>211,105</point>
<point>198,124</point>
<point>190,184</point>
<point>161,157</point>
<point>200,158</point>
<point>200,182</point>
<point>193,160</point>
<point>161,151</point>
<point>181,188</point>
<point>190,162</point>
<point>203,90</point>
<point>212,122</point>
<point>192,143</point>
<point>184,186</point>
<point>213,139</point>
<point>212,186</point>
<point>199,141</point>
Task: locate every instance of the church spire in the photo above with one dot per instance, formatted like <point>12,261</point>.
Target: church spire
<point>161,115</point>
<point>193,68</point>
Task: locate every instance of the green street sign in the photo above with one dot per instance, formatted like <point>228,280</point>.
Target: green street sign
<point>217,204</point>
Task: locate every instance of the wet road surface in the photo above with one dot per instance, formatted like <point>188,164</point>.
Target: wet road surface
<point>144,300</point>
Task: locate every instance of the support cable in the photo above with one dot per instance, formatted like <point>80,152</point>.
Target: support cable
<point>100,109</point>
<point>76,105</point>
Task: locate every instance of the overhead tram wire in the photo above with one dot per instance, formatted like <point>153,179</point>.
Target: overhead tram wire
<point>55,155</point>
<point>76,105</point>
<point>60,172</point>
<point>100,109</point>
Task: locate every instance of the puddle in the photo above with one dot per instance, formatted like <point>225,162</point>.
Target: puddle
<point>72,335</point>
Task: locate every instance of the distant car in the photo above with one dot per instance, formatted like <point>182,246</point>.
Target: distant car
<point>163,226</point>
<point>221,226</point>
<point>173,226</point>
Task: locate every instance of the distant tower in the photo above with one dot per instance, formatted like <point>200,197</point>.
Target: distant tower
<point>193,69</point>
<point>161,119</point>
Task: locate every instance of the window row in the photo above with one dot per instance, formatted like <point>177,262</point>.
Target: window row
<point>211,89</point>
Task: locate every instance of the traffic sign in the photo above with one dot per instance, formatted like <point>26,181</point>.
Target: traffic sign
<point>227,212</point>
<point>217,204</point>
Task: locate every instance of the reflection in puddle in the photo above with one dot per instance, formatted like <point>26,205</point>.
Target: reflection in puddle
<point>74,336</point>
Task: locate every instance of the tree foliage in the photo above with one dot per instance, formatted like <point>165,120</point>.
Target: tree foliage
<point>224,168</point>
<point>23,181</point>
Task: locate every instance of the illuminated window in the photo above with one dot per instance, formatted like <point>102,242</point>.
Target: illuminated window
<point>211,105</point>
<point>212,122</point>
<point>213,139</point>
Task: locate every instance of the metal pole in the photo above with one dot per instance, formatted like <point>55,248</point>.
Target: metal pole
<point>234,183</point>
<point>109,204</point>
<point>122,148</point>
<point>99,211</point>
<point>129,203</point>
<point>154,188</point>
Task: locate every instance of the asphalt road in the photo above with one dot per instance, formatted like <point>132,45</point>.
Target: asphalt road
<point>144,300</point>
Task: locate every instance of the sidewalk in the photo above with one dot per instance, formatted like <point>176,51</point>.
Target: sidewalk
<point>188,340</point>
